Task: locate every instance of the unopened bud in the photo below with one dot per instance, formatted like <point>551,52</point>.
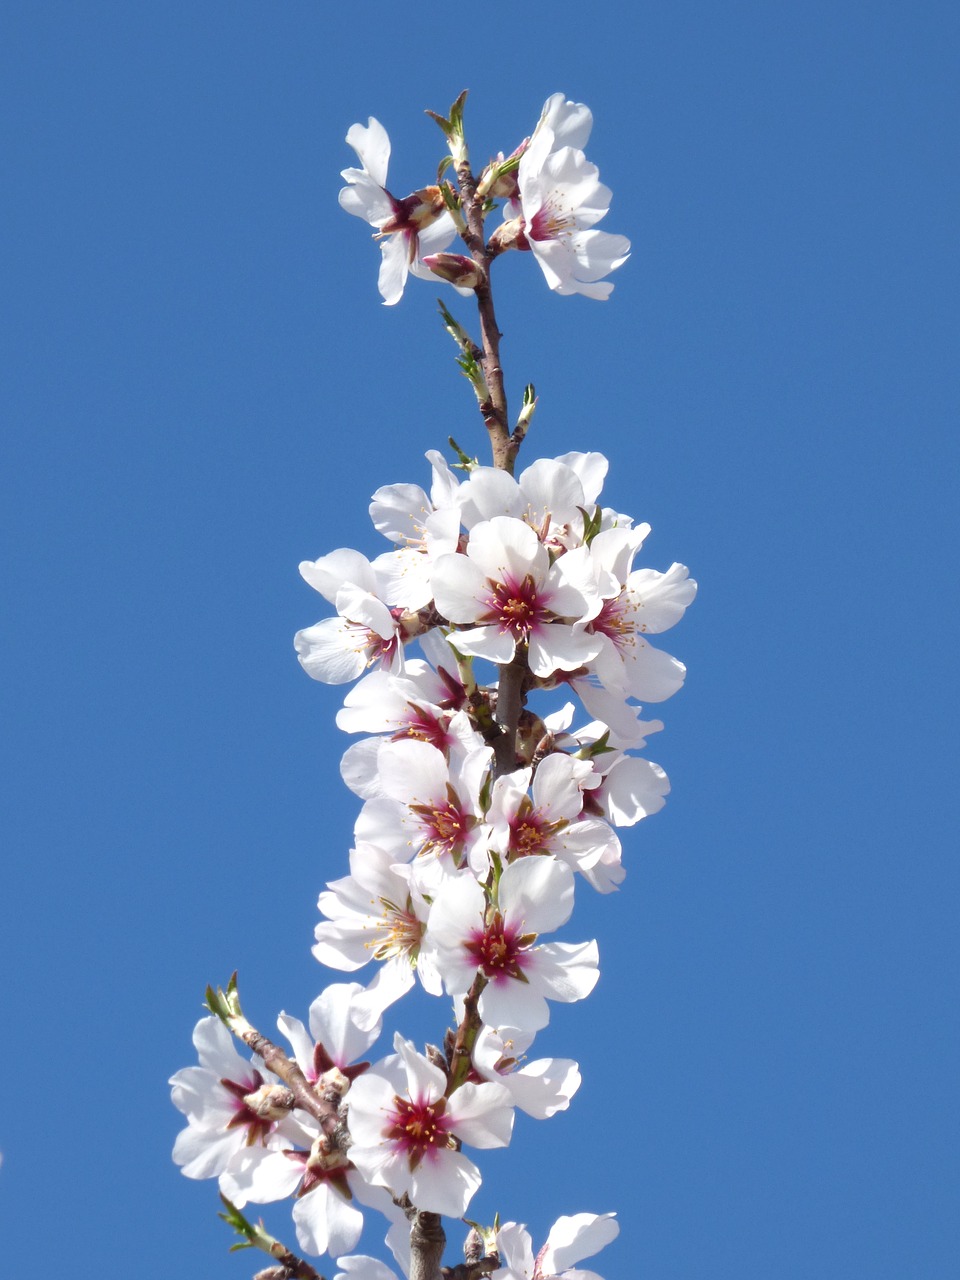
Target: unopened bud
<point>473,1247</point>
<point>499,180</point>
<point>270,1102</point>
<point>454,267</point>
<point>436,1057</point>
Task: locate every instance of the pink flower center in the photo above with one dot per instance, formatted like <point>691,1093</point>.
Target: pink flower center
<point>515,607</point>
<point>446,827</point>
<point>374,647</point>
<point>258,1126</point>
<point>552,220</point>
<point>498,950</point>
<point>530,832</point>
<point>424,726</point>
<point>401,932</point>
<point>616,623</point>
<point>420,1127</point>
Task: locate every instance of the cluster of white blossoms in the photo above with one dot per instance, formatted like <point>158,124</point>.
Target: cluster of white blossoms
<point>501,653</point>
<point>553,194</point>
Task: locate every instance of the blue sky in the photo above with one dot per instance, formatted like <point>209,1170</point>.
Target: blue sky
<point>201,389</point>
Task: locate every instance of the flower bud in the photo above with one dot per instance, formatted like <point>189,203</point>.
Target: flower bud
<point>455,268</point>
<point>499,180</point>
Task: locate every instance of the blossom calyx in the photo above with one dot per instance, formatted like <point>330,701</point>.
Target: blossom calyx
<point>452,127</point>
<point>416,211</point>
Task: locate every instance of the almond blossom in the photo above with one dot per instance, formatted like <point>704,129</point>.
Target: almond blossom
<point>570,1239</point>
<point>560,199</point>
<point>378,912</point>
<point>548,820</point>
<point>231,1104</point>
<point>407,228</point>
<point>508,594</point>
<point>534,896</point>
<point>540,1088</point>
<point>406,1132</point>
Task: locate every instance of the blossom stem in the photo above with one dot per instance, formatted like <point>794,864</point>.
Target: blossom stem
<point>461,1059</point>
<point>323,1111</point>
<point>427,1241</point>
<point>494,409</point>
<point>509,705</point>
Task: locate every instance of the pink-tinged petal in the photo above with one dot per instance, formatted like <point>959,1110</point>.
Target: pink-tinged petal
<point>591,469</point>
<point>404,578</point>
<point>570,122</point>
<point>413,772</point>
<point>340,1021</point>
<point>372,145</point>
<point>598,253</point>
<point>551,490</point>
<point>331,651</point>
<point>398,511</point>
<point>607,875</point>
<point>365,198</point>
<point>515,1249</point>
<point>434,238</point>
<point>633,789</point>
<point>326,1222</point>
<point>660,599</point>
<point>458,585</point>
<point>358,768</point>
<point>489,643</point>
<point>457,909</point>
<point>394,266</point>
<point>575,585</point>
<point>583,190</point>
<point>366,610</point>
<point>300,1040</point>
<point>556,787</point>
<point>481,1115</point>
<point>216,1050</point>
<point>444,486</point>
<point>544,1087</point>
<point>445,1183</point>
<point>425,1082</point>
<point>369,1105</point>
<point>257,1174</point>
<point>576,1237</point>
<point>202,1153</point>
<point>508,1003</point>
<point>536,894</point>
<point>328,574</point>
<point>587,843</point>
<point>360,1267</point>
<point>557,646</point>
<point>650,674</point>
<point>487,493</point>
<point>504,546</point>
<point>568,971</point>
<point>196,1091</point>
<point>380,823</point>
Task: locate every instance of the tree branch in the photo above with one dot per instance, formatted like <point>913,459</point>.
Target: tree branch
<point>427,1241</point>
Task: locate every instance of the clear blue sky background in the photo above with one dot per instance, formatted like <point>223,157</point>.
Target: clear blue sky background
<point>201,389</point>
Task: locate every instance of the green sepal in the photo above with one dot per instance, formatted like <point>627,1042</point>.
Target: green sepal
<point>464,463</point>
<point>225,1004</point>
